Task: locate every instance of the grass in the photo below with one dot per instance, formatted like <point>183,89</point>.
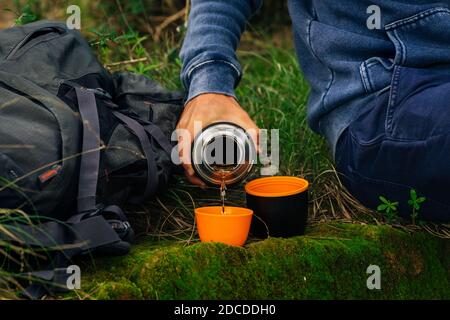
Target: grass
<point>273,91</point>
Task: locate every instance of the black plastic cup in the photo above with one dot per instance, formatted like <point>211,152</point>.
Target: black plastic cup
<point>279,204</point>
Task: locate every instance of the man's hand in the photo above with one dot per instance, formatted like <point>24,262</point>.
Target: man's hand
<point>209,108</point>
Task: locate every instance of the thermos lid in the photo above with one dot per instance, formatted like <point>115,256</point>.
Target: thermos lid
<point>223,153</point>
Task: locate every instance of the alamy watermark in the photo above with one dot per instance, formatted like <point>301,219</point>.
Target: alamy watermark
<point>374,280</point>
<point>74,19</point>
<point>74,279</point>
<point>374,20</point>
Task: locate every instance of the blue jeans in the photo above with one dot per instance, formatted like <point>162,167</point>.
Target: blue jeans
<point>401,141</point>
<point>342,59</point>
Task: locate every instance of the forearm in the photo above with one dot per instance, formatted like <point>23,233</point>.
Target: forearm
<point>209,49</point>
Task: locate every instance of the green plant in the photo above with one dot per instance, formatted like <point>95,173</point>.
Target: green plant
<point>103,36</point>
<point>25,13</point>
<point>415,202</point>
<point>388,207</point>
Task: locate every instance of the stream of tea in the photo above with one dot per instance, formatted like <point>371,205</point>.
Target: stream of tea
<point>223,189</point>
<point>223,192</point>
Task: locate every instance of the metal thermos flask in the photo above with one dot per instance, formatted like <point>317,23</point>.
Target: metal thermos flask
<point>223,153</point>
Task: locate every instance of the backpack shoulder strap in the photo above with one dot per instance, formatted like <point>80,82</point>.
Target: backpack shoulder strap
<point>141,134</point>
<point>90,152</point>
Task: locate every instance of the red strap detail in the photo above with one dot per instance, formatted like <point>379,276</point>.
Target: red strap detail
<point>47,175</point>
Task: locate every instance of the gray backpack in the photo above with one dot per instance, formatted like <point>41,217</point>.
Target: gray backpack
<point>76,143</point>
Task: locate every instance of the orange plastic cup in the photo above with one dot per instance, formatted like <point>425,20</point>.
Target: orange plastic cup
<point>231,227</point>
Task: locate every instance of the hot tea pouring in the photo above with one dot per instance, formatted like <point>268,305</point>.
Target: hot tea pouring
<point>223,154</point>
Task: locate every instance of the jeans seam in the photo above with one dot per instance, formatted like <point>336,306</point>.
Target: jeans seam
<point>364,77</point>
<point>384,137</point>
<point>416,17</point>
<point>403,53</point>
<point>392,30</point>
<point>213,61</point>
<point>368,144</point>
<point>392,100</point>
<point>329,69</point>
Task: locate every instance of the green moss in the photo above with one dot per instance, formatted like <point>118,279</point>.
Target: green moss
<point>121,289</point>
<point>330,262</point>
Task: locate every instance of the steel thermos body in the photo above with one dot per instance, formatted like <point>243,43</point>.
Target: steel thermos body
<point>223,153</point>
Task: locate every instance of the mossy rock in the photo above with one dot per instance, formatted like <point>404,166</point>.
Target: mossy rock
<point>329,262</point>
<point>119,289</point>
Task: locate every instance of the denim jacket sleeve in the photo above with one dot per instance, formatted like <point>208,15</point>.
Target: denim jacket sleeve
<point>209,48</point>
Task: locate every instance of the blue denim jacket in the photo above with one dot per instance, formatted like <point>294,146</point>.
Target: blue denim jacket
<point>344,61</point>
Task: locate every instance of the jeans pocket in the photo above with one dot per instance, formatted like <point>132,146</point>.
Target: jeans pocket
<point>419,104</point>
<point>418,41</point>
<point>376,73</point>
<point>420,83</point>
